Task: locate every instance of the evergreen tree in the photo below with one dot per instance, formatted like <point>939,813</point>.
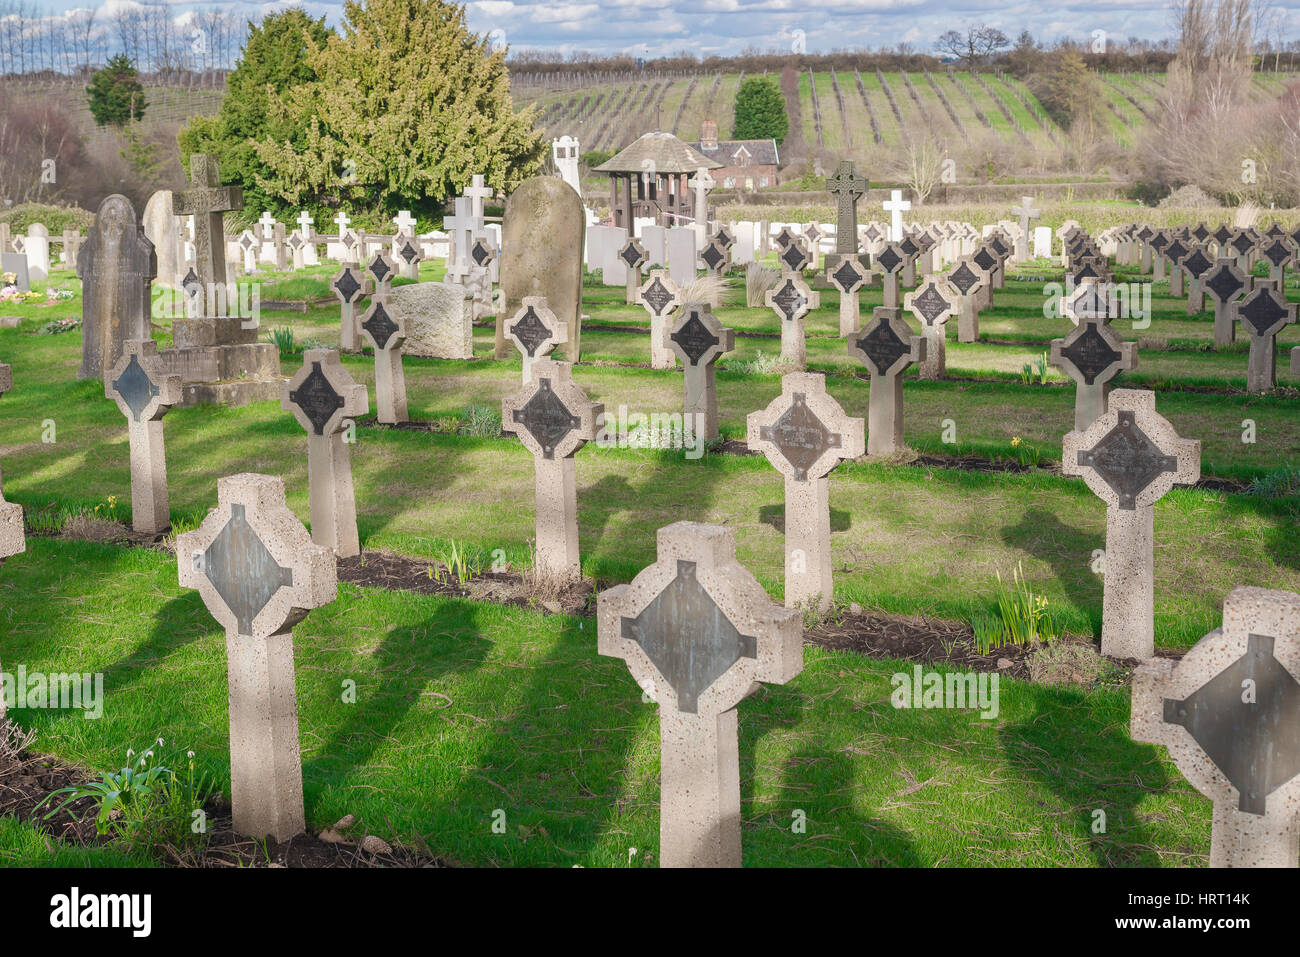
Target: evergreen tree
<point>406,106</point>
<point>116,96</point>
<point>274,57</point>
<point>760,111</point>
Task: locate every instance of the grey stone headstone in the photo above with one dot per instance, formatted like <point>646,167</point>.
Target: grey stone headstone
<point>117,266</point>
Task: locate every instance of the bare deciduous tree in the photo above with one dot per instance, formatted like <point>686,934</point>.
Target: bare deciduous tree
<point>973,47</point>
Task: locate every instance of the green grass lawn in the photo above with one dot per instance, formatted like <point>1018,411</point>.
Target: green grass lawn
<point>468,707</point>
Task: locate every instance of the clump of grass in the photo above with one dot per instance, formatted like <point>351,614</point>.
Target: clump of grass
<point>1068,663</point>
<point>1035,371</point>
<point>759,280</point>
<point>761,364</point>
<point>480,420</point>
<point>456,562</point>
<point>707,289</point>
<point>1278,483</point>
<point>989,633</point>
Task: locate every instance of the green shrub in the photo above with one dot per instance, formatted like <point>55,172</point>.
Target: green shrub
<point>54,218</point>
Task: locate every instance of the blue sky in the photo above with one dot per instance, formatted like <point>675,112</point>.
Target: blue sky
<point>655,27</point>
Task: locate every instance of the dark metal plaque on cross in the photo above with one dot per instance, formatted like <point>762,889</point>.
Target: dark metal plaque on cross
<point>547,418</point>
<point>530,331</point>
<point>317,398</point>
<point>883,347</point>
<point>1127,460</point>
<point>800,436</point>
<point>1091,353</point>
<point>135,387</point>
<point>694,338</point>
<point>242,570</point>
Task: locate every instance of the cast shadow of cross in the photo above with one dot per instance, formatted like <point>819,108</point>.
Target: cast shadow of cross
<point>1069,552</point>
<point>407,663</point>
<point>819,780</point>
<point>179,622</point>
<point>774,515</point>
<point>1080,750</point>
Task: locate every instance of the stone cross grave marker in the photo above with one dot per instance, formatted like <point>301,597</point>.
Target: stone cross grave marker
<point>553,419</point>
<point>934,302</point>
<point>1092,355</point>
<point>408,254</point>
<point>848,276</point>
<point>535,331</point>
<point>350,284</point>
<point>701,183</point>
<point>482,258</point>
<point>259,573</point>
<point>911,251</point>
<point>1225,283</point>
<point>891,260</point>
<point>699,339</point>
<point>117,268</point>
<point>386,332</point>
<point>1026,212</point>
<point>1227,713</point>
<point>812,239</point>
<point>847,187</point>
<point>325,400</point>
<point>143,390</point>
<point>1242,244</point>
<point>1130,457</point>
<point>659,296</point>
<point>886,347</point>
<point>248,244</point>
<point>698,634</point>
<point>791,299</point>
<point>1196,265</point>
<point>206,200</point>
<point>634,256</point>
<point>969,280</point>
<point>1263,314</point>
<point>896,206</point>
<point>477,193</point>
<point>716,258</point>
<point>804,434</point>
<point>1174,253</point>
<point>1279,253</point>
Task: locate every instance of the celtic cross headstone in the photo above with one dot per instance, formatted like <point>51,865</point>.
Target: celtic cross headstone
<point>886,347</point>
<point>1130,457</point>
<point>553,419</point>
<point>804,434</point>
<point>143,390</point>
<point>698,339</point>
<point>259,573</point>
<point>698,634</point>
<point>325,400</point>
<point>1227,713</point>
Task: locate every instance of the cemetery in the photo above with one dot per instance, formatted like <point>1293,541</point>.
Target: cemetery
<point>550,532</point>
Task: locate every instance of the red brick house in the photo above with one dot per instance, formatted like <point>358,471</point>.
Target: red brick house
<point>745,164</point>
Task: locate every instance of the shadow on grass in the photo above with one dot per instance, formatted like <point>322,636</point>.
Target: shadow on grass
<point>1084,756</point>
<point>774,515</point>
<point>1068,551</point>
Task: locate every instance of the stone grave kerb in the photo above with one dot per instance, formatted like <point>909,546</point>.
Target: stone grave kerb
<point>1092,354</point>
<point>699,634</point>
<point>805,434</point>
<point>1130,457</point>
<point>535,331</point>
<point>1222,713</point>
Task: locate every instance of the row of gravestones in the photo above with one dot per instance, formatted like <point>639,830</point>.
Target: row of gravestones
<point>697,631</point>
<point>28,257</point>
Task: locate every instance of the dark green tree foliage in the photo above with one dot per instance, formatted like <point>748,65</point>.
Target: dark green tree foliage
<point>760,111</point>
<point>116,96</point>
<point>274,58</point>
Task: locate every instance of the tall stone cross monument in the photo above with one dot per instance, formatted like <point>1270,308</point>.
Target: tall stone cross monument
<point>698,633</point>
<point>847,187</point>
<point>206,200</point>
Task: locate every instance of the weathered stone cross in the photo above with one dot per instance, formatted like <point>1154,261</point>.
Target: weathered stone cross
<point>804,434</point>
<point>934,302</point>
<point>1130,457</point>
<point>553,419</point>
<point>1225,283</point>
<point>1092,355</point>
<point>386,333</point>
<point>847,187</point>
<point>1026,213</point>
<point>143,390</point>
<point>206,200</point>
<point>791,299</point>
<point>349,284</point>
<point>698,634</point>
<point>259,573</point>
<point>1263,314</point>
<point>886,347</point>
<point>535,331</point>
<point>699,339</point>
<point>325,400</point>
<point>1227,713</point>
<point>658,295</point>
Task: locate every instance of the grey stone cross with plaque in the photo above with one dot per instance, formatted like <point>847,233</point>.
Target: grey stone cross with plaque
<point>144,392</point>
<point>886,347</point>
<point>633,256</point>
<point>553,419</point>
<point>804,434</point>
<point>386,330</point>
<point>1130,457</point>
<point>698,634</point>
<point>350,284</point>
<point>1263,314</point>
<point>698,339</point>
<point>1229,713</point>
<point>535,331</point>
<point>933,302</point>
<point>325,400</point>
<point>259,573</point>
<point>848,275</point>
<point>1225,283</point>
<point>658,295</point>
<point>1092,355</point>
<point>791,299</point>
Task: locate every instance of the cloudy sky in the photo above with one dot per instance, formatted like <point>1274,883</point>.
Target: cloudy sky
<point>657,27</point>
